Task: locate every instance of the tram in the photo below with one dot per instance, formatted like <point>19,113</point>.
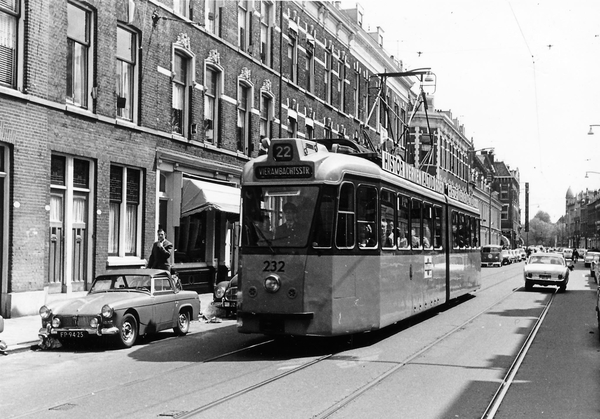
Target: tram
<point>334,243</point>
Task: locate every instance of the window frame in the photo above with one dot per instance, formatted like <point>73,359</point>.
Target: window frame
<point>15,61</point>
<point>212,109</point>
<point>244,109</point>
<point>85,74</point>
<point>132,93</point>
<point>122,226</point>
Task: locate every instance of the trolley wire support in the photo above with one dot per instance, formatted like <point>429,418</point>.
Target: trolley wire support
<point>426,78</point>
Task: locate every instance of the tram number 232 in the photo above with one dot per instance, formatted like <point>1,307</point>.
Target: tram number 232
<point>273,266</point>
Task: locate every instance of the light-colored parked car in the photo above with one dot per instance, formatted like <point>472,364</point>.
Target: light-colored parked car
<point>505,257</point>
<point>595,267</point>
<point>546,269</point>
<point>522,253</point>
<point>589,256</point>
<point>123,304</point>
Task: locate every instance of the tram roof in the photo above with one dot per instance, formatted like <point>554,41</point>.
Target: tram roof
<point>332,167</point>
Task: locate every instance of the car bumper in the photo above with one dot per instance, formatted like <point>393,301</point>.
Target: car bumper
<point>546,282</point>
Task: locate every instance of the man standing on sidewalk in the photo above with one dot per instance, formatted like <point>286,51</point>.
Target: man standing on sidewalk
<point>161,252</point>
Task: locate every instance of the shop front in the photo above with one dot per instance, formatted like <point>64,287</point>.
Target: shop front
<point>198,207</point>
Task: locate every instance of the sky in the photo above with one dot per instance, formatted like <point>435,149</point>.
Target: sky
<point>522,76</point>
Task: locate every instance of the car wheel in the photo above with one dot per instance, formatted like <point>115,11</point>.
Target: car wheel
<point>562,288</point>
<point>528,286</point>
<point>183,323</point>
<point>128,332</point>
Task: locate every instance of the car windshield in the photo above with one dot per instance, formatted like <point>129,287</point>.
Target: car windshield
<point>487,249</point>
<point>122,283</point>
<point>547,260</point>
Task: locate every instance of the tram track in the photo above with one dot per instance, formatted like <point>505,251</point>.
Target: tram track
<point>355,395</point>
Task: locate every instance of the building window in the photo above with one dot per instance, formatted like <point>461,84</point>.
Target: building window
<point>356,94</point>
<point>179,107</point>
<point>213,16</point>
<point>243,119</point>
<point>327,79</point>
<point>293,59</point>
<point>292,127</point>
<point>266,30</point>
<point>211,104</point>
<point>124,229</point>
<point>310,132</point>
<point>266,115</point>
<point>126,72</point>
<point>244,26</point>
<point>342,85</point>
<point>182,7</point>
<point>310,72</point>
<point>9,24</point>
<point>78,54</point>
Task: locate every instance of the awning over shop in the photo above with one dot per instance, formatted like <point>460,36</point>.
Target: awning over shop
<point>505,241</point>
<point>198,196</point>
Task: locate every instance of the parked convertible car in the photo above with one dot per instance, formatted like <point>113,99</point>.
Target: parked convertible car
<point>225,295</point>
<point>124,304</point>
<point>546,269</point>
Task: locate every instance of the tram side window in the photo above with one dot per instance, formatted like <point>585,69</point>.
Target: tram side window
<point>324,220</point>
<point>366,216</point>
<point>344,237</point>
<point>388,231</point>
<point>427,226</point>
<point>458,230</point>
<point>475,232</point>
<point>415,224</point>
<point>402,222</point>
<point>437,227</point>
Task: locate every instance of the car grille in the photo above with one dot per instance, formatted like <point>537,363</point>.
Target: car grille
<point>231,294</point>
<point>75,321</point>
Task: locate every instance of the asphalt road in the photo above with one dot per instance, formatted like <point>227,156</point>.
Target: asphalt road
<point>447,364</point>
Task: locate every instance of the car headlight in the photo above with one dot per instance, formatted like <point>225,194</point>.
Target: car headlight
<point>55,322</point>
<point>560,276</point>
<point>219,293</point>
<point>529,275</point>
<point>272,283</point>
<point>107,311</point>
<point>45,312</point>
<point>94,322</point>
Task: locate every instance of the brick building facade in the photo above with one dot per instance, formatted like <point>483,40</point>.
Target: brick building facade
<point>121,116</point>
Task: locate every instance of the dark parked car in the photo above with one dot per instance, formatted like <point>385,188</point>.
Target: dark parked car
<point>490,255</point>
<point>225,295</point>
<point>123,304</point>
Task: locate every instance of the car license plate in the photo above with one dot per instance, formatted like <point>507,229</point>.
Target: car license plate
<point>229,304</point>
<point>545,276</point>
<point>73,335</point>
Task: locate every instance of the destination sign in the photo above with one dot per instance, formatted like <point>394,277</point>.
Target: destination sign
<point>283,172</point>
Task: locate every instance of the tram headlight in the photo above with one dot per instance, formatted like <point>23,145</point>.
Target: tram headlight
<point>272,283</point>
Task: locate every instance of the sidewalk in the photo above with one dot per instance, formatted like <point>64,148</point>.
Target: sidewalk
<point>21,333</point>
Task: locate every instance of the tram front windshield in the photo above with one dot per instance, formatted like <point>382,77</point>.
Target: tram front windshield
<point>278,216</point>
